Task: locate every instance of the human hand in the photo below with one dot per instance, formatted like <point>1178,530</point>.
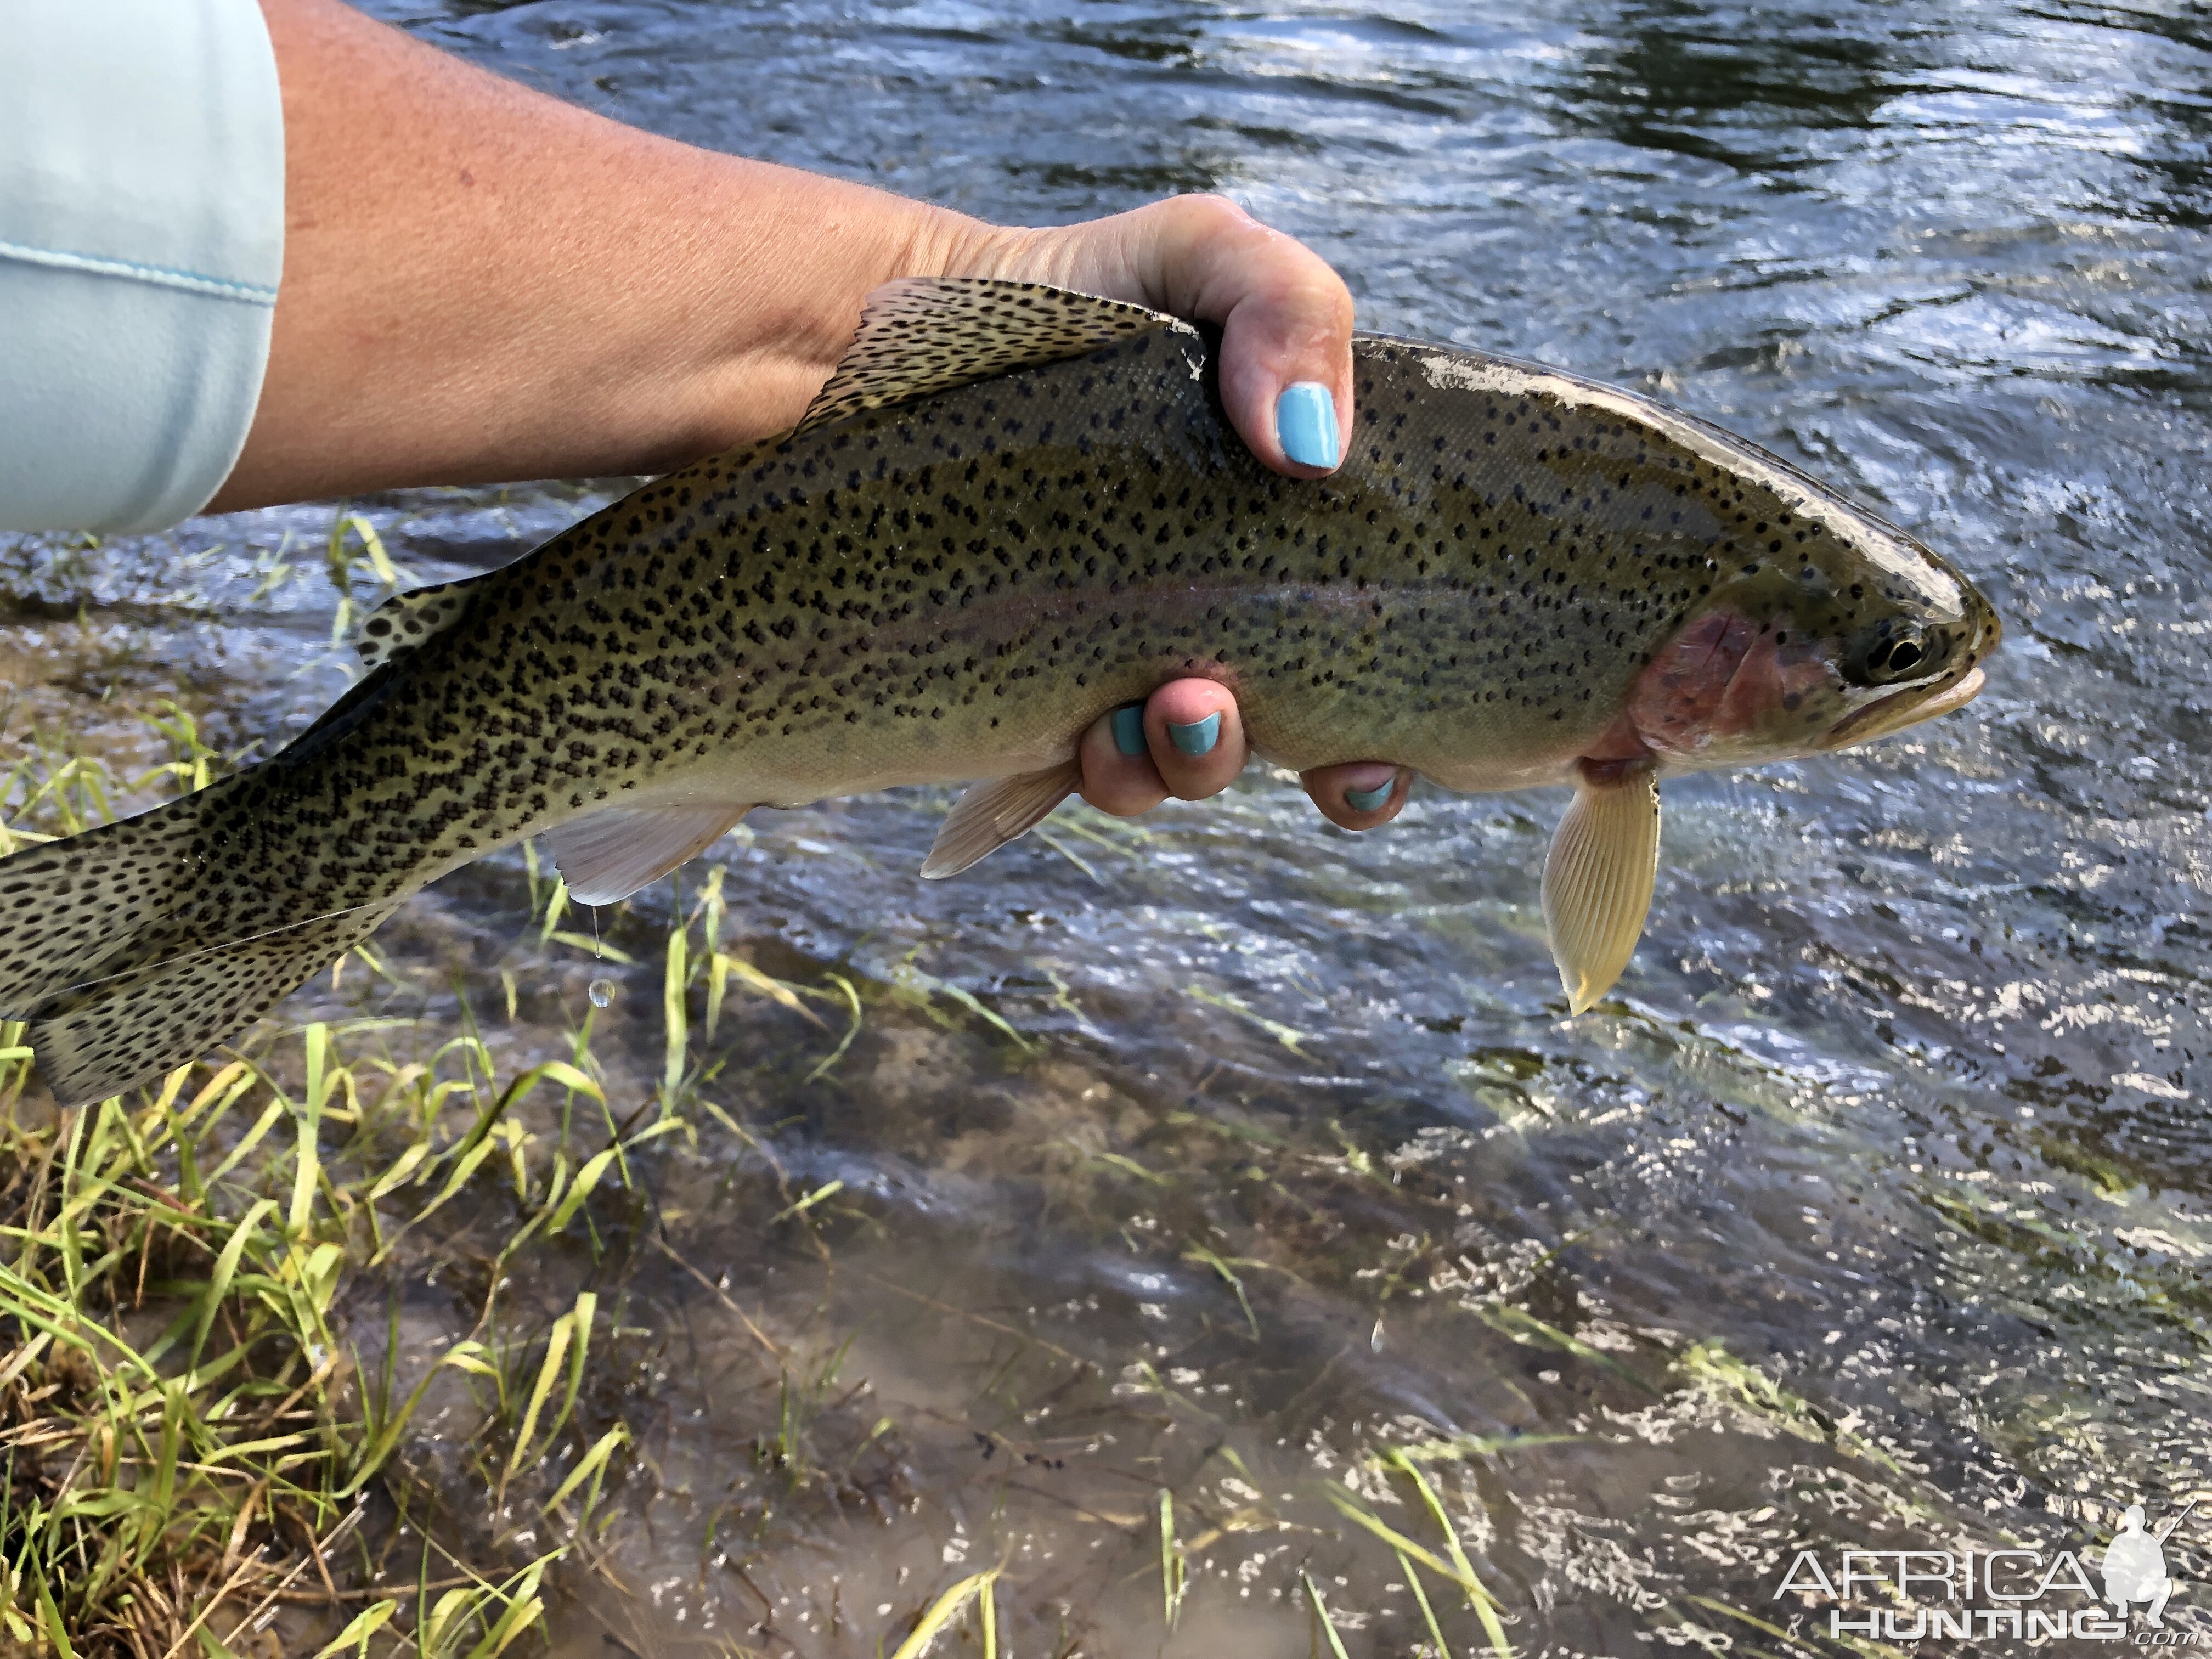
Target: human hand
<point>1285,375</point>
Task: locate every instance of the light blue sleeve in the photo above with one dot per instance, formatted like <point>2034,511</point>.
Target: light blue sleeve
<point>142,235</point>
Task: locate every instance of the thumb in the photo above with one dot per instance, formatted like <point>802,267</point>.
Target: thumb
<point>1285,317</point>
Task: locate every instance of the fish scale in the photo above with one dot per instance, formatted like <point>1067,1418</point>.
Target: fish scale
<point>1012,510</point>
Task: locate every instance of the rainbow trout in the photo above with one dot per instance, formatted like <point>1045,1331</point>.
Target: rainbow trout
<point>1013,509</point>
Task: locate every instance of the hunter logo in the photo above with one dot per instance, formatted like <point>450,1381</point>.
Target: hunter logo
<point>2135,1565</point>
<point>1978,1596</point>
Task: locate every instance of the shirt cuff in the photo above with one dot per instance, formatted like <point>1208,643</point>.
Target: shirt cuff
<point>141,237</point>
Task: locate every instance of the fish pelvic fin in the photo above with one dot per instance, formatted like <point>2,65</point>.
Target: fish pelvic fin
<point>992,814</point>
<point>1597,881</point>
<point>607,856</point>
<point>134,947</point>
<point>921,335</point>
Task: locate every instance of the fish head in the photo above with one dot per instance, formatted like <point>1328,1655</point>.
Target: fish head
<point>1785,620</point>
<point>1843,629</point>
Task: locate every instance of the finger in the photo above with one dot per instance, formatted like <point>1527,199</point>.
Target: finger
<point>1359,794</point>
<point>1285,322</point>
<point>1118,773</point>
<point>1195,736</point>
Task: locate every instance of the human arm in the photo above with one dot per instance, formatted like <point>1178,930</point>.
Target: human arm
<point>482,282</point>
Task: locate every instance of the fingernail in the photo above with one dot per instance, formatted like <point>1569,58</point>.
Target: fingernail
<point>1129,728</point>
<point>1199,737</point>
<point>1305,421</point>
<point>1366,800</point>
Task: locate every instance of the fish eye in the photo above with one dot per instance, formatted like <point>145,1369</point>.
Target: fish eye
<point>1895,652</point>
<point>1903,654</point>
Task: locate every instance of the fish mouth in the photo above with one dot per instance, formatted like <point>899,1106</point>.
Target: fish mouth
<point>1908,706</point>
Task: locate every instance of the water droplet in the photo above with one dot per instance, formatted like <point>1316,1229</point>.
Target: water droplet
<point>603,993</point>
<point>595,938</point>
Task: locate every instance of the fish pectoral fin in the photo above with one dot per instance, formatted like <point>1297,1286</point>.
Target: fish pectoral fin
<point>1597,882</point>
<point>405,620</point>
<point>607,856</point>
<point>992,814</point>
<point>924,334</point>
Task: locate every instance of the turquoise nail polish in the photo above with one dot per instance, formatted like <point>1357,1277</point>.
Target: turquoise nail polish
<point>1199,737</point>
<point>1305,421</point>
<point>1366,800</point>
<point>1129,728</point>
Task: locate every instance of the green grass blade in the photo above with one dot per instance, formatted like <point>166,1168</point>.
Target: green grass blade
<point>1320,1609</point>
<point>942,1612</point>
<point>852,997</point>
<point>226,1269</point>
<point>549,1374</point>
<point>1171,1564</point>
<point>1421,1599</point>
<point>587,1467</point>
<point>1484,1607</point>
<point>365,1624</point>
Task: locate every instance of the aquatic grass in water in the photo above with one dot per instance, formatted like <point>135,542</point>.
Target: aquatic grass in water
<point>227,1411</point>
<point>188,1439</point>
<point>209,1445</point>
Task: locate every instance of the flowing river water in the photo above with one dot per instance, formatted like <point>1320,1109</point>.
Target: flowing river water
<point>1222,1155</point>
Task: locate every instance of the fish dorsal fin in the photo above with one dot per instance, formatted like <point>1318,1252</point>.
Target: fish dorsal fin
<point>924,334</point>
<point>1597,881</point>
<point>406,619</point>
<point>992,814</point>
<point>607,856</point>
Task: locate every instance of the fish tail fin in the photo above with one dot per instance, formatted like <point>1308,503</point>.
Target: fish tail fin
<point>133,948</point>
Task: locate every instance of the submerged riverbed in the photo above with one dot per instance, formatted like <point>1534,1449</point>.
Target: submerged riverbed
<point>1228,1156</point>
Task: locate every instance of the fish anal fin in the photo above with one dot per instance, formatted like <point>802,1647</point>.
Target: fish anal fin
<point>992,814</point>
<point>1597,881</point>
<point>606,855</point>
<point>923,334</point>
<point>406,619</point>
